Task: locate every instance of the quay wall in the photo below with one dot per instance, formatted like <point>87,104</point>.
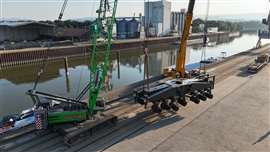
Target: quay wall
<point>9,58</point>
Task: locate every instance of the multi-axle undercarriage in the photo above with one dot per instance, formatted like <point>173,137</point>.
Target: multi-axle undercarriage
<point>170,94</point>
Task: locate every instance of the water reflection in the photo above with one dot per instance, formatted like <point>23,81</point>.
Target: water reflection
<point>14,82</point>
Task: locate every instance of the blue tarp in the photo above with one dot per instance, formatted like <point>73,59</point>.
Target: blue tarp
<point>19,124</point>
<point>192,66</point>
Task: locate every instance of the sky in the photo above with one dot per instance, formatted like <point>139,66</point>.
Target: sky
<point>49,9</point>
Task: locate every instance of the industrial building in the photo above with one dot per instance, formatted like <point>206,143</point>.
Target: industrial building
<point>158,20</point>
<point>25,30</point>
<point>73,34</point>
<point>157,17</point>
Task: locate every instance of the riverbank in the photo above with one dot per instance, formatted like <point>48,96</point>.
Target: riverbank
<point>16,80</point>
<point>33,55</point>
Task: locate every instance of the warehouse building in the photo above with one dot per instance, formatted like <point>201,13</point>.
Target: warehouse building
<point>24,31</point>
<point>73,34</point>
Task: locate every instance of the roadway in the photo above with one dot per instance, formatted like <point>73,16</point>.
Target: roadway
<point>237,119</point>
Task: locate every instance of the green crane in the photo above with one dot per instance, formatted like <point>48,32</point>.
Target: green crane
<point>102,28</point>
<point>53,109</point>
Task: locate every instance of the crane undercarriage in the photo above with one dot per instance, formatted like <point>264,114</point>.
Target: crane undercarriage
<point>170,94</point>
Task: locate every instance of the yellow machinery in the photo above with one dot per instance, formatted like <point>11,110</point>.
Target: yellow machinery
<point>181,57</point>
<point>172,94</point>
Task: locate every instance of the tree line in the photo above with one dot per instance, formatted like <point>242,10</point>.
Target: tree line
<point>227,25</point>
<point>70,23</point>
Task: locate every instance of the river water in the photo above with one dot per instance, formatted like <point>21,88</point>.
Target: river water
<point>14,82</point>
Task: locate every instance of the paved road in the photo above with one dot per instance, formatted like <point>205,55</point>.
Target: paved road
<point>237,119</point>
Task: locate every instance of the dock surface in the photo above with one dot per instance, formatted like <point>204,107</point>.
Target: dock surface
<point>237,119</point>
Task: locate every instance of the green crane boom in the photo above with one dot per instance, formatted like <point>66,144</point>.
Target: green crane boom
<point>68,110</point>
<point>101,28</point>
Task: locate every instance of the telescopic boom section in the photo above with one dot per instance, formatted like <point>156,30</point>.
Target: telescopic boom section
<point>181,57</point>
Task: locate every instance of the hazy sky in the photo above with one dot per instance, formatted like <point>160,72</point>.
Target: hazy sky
<point>49,9</point>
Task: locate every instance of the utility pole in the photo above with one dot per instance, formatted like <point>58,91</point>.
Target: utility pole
<point>264,34</point>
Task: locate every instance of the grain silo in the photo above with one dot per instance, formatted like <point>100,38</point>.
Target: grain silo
<point>133,28</point>
<point>121,29</point>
